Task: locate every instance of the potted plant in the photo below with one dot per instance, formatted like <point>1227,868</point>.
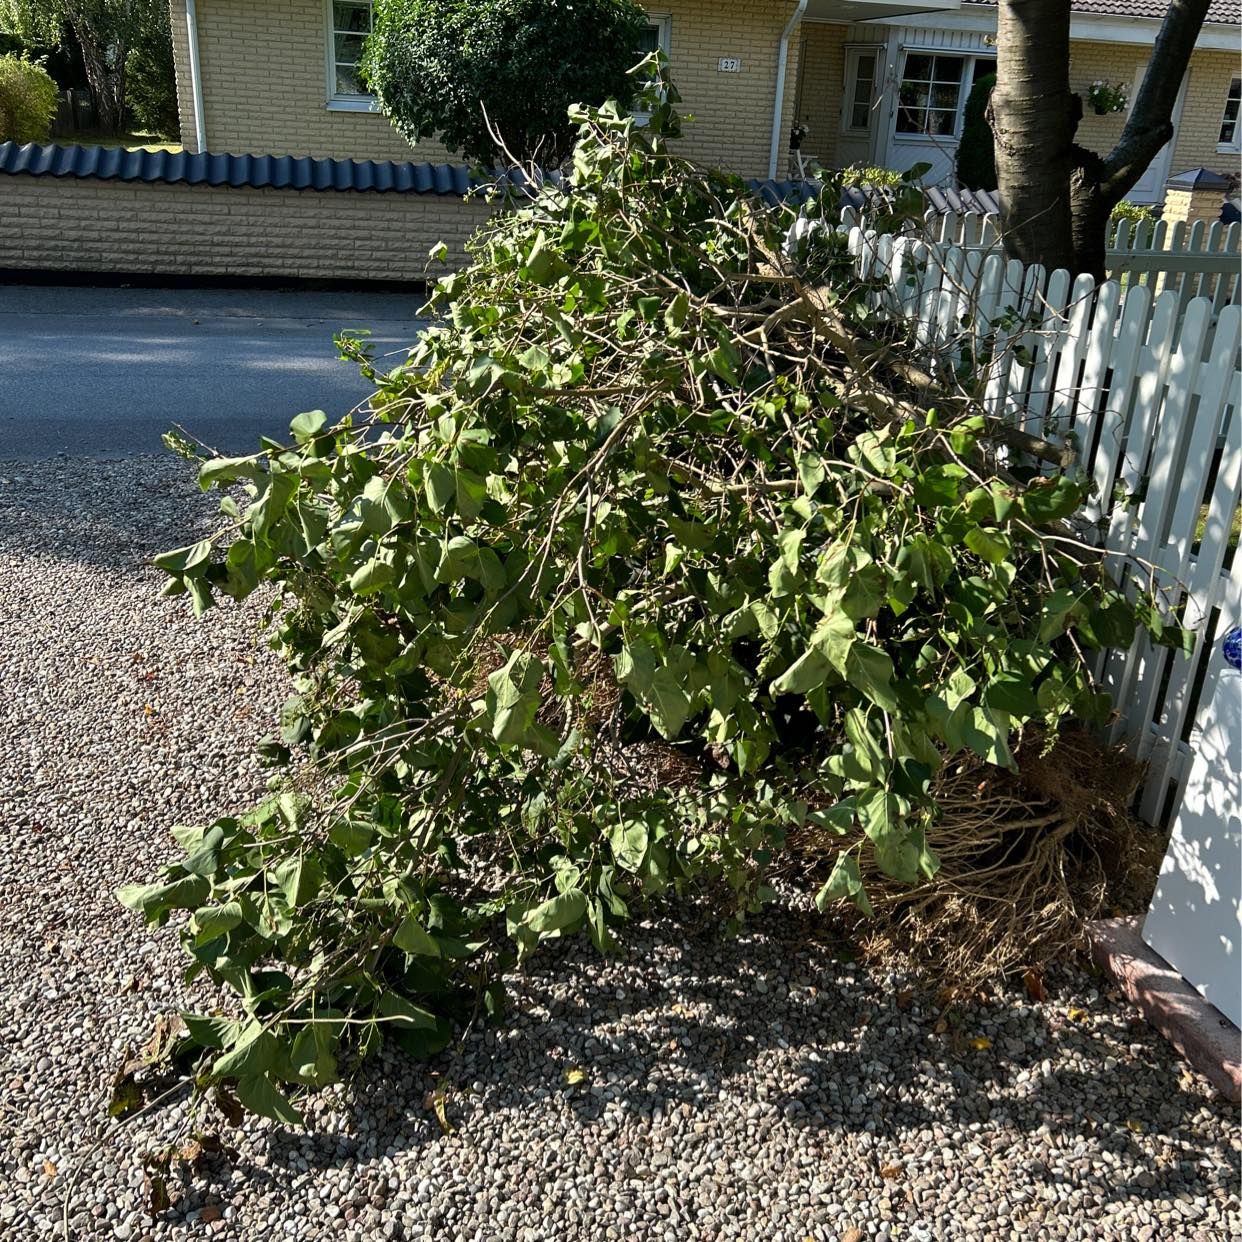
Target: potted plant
<point>1106,97</point>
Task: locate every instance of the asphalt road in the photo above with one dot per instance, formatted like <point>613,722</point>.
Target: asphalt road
<point>105,372</point>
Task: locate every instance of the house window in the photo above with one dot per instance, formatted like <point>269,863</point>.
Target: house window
<point>933,92</point>
<point>1229,138</point>
<point>655,38</point>
<point>349,24</point>
<point>861,91</point>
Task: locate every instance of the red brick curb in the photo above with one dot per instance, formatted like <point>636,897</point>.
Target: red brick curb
<point>1199,1031</point>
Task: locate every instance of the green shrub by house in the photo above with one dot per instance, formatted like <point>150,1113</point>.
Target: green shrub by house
<point>976,152</point>
<point>507,70</point>
<point>27,100</point>
<point>650,556</point>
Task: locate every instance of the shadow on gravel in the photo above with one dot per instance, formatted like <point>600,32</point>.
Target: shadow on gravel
<point>779,1031</point>
<point>107,514</point>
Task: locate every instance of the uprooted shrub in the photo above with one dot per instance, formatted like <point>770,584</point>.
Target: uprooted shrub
<point>656,551</point>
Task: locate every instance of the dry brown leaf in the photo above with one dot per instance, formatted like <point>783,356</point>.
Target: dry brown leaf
<point>49,1169</point>
<point>1033,980</point>
<point>981,1043</point>
<point>576,1074</point>
<point>905,998</point>
<point>853,1235</point>
<point>1074,1014</point>
<point>891,1171</point>
<point>1135,1127</point>
<point>212,1212</point>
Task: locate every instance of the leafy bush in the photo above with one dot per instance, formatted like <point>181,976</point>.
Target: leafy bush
<point>651,555</point>
<point>457,71</point>
<point>870,174</point>
<point>1134,212</point>
<point>976,153</point>
<point>151,77</point>
<point>27,101</point>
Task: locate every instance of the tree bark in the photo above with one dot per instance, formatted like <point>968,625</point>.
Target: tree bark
<point>1033,117</point>
<point>1056,195</point>
<point>107,81</point>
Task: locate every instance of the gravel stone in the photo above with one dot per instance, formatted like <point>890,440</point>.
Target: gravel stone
<point>759,1087</point>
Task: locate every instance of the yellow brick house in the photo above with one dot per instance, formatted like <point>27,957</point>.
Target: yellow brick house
<point>875,81</point>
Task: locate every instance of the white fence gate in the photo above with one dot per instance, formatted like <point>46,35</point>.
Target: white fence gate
<point>1145,386</point>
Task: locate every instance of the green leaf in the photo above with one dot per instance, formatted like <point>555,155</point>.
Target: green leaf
<point>209,1031</point>
<point>809,670</point>
<point>403,1014</point>
<point>307,426</point>
<point>254,1053</point>
<point>440,486</point>
<point>227,470</point>
<point>181,560</point>
<point>513,697</point>
<point>300,879</point>
<point>413,937</point>
<point>629,844</point>
<point>845,881</point>
<point>1052,500</point>
<point>211,922</point>
<point>667,703</point>
<point>260,1096</point>
<point>1011,693</point>
<point>871,670</point>
<point>991,545</point>
<point>557,913</point>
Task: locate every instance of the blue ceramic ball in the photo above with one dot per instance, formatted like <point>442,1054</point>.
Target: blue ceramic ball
<point>1232,645</point>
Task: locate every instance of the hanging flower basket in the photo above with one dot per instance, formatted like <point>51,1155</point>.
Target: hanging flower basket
<point>1106,97</point>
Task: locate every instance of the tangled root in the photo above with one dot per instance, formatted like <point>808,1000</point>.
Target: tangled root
<point>1026,860</point>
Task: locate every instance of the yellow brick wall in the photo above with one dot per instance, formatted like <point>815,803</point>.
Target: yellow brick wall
<point>1199,132</point>
<point>66,224</point>
<point>1194,145</point>
<point>733,128</point>
<point>265,84</point>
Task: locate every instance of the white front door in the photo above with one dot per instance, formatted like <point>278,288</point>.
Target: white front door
<point>1150,186</point>
<point>864,73</point>
<point>926,119</point>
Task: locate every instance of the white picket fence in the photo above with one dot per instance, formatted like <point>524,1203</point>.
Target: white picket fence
<point>1202,260</point>
<point>1145,384</point>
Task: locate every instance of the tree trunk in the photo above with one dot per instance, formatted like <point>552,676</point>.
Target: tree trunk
<point>1057,196</point>
<point>1033,118</point>
<point>107,82</point>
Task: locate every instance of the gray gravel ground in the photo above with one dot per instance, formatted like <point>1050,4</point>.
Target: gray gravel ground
<point>761,1088</point>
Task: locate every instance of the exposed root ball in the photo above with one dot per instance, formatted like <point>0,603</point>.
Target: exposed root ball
<point>1026,861</point>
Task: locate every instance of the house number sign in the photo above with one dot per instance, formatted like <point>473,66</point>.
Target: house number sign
<point>729,64</point>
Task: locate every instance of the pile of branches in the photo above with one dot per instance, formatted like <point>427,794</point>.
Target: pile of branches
<point>658,555</point>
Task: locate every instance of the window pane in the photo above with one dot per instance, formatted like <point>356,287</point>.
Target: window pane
<point>983,66</point>
<point>349,48</point>
<point>948,69</point>
<point>1229,123</point>
<point>941,122</point>
<point>866,67</point>
<point>860,117</point>
<point>649,41</point>
<point>919,67</point>
<point>909,121</point>
<point>348,82</point>
<point>944,97</point>
<point>352,17</point>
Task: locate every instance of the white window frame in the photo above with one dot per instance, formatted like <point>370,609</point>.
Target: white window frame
<point>338,102</point>
<point>1234,147</point>
<point>972,56</point>
<point>664,24</point>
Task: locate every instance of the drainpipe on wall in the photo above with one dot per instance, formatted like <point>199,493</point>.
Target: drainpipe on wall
<point>196,76</point>
<point>782,65</point>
